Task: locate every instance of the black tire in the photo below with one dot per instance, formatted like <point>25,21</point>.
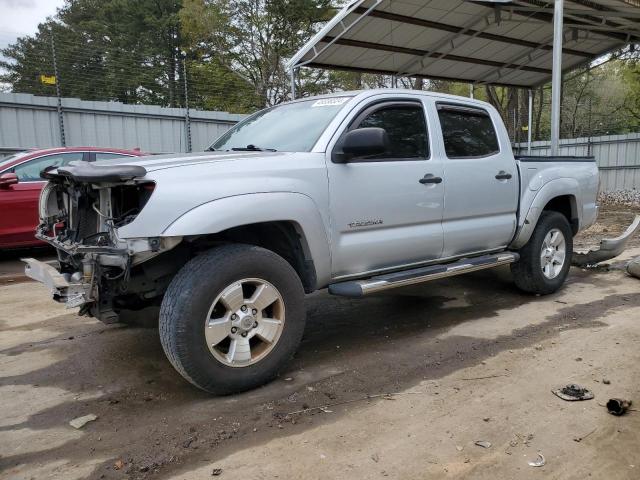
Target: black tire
<point>187,302</point>
<point>527,272</point>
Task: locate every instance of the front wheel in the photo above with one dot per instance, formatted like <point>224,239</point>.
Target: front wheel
<point>232,318</point>
<point>546,259</point>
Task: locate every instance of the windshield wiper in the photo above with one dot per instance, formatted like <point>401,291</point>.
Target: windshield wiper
<point>253,148</point>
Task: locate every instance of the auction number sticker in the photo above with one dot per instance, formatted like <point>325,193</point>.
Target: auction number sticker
<point>330,102</point>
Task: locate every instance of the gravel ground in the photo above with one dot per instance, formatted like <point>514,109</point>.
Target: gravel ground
<point>467,359</point>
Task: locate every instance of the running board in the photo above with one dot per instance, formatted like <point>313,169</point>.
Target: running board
<point>360,288</point>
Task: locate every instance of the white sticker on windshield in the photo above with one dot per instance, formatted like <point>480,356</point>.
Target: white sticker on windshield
<point>330,102</point>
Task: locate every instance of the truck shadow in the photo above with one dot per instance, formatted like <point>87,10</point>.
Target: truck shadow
<point>153,420</point>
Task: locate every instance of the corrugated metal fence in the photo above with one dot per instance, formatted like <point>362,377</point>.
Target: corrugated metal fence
<point>28,121</point>
<point>618,157</point>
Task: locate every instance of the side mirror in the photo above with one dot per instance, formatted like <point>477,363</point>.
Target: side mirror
<point>8,179</point>
<point>364,142</point>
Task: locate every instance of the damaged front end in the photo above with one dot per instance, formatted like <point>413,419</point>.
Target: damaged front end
<point>81,209</point>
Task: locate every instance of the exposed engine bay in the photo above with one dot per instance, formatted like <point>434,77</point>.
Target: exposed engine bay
<point>81,209</point>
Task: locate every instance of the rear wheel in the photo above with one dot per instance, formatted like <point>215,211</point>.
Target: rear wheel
<point>232,318</point>
<point>546,259</point>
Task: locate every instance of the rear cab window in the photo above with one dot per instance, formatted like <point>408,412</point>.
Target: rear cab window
<point>468,132</point>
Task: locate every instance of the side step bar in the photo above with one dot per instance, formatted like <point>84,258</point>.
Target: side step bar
<point>360,288</point>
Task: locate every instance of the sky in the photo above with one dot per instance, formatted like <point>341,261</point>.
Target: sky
<point>21,17</point>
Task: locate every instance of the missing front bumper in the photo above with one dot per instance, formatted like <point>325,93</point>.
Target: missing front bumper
<point>63,288</point>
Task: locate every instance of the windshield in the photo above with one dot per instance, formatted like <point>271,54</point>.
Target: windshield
<point>292,127</point>
<point>11,158</point>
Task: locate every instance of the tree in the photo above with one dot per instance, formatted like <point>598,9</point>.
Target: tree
<point>253,38</point>
<point>125,50</point>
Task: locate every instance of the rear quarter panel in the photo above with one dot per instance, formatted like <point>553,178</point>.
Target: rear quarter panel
<point>542,181</point>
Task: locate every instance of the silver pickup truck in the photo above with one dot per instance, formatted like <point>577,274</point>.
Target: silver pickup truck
<point>357,192</point>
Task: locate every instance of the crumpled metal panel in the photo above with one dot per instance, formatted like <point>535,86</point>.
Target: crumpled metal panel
<point>633,268</point>
<point>609,247</point>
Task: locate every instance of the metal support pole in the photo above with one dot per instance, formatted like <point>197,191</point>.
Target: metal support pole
<point>187,117</point>
<point>471,90</point>
<point>529,122</point>
<point>556,78</point>
<point>292,73</point>
<point>63,140</point>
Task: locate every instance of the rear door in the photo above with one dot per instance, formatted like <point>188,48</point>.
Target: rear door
<point>19,202</point>
<point>480,181</point>
<point>381,215</point>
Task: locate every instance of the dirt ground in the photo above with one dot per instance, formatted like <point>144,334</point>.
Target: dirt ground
<point>466,359</point>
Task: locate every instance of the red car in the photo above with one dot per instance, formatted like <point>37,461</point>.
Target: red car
<point>20,186</point>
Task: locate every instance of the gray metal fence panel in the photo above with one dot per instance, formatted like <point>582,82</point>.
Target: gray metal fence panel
<point>28,121</point>
<point>618,157</point>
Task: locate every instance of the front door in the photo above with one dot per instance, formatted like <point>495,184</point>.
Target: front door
<point>481,181</point>
<point>382,215</point>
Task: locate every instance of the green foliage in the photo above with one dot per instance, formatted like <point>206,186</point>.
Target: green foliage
<point>125,50</point>
<point>254,38</point>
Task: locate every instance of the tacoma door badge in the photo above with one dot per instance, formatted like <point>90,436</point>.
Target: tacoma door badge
<point>365,223</point>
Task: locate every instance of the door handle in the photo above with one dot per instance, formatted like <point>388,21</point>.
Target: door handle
<point>429,178</point>
<point>502,175</point>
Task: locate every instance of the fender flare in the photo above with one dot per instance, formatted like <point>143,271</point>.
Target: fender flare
<point>555,188</point>
<point>239,210</point>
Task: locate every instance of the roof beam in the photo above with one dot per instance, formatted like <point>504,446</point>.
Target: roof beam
<point>471,32</point>
<point>584,21</point>
<point>421,53</point>
<point>376,71</point>
<point>548,18</point>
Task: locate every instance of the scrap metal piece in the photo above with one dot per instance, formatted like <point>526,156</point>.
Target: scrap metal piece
<point>633,267</point>
<point>609,247</point>
<point>539,462</point>
<point>483,444</point>
<point>572,393</point>
<point>80,422</point>
<point>618,406</point>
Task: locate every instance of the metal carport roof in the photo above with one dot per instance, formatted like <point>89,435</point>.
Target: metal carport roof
<point>520,43</point>
<point>481,42</point>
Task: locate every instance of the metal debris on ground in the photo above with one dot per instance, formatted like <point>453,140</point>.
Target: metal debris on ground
<point>80,422</point>
<point>483,444</point>
<point>618,406</point>
<point>633,267</point>
<point>579,439</point>
<point>572,393</point>
<point>216,472</point>
<point>609,247</point>
<point>538,462</point>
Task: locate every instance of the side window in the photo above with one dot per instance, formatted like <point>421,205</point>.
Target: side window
<point>406,127</point>
<point>109,156</point>
<point>467,132</point>
<point>30,171</point>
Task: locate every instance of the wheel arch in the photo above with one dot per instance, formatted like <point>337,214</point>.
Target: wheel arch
<point>289,224</point>
<point>560,195</point>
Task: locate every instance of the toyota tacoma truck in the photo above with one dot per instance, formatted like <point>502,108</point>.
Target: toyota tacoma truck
<point>357,192</point>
